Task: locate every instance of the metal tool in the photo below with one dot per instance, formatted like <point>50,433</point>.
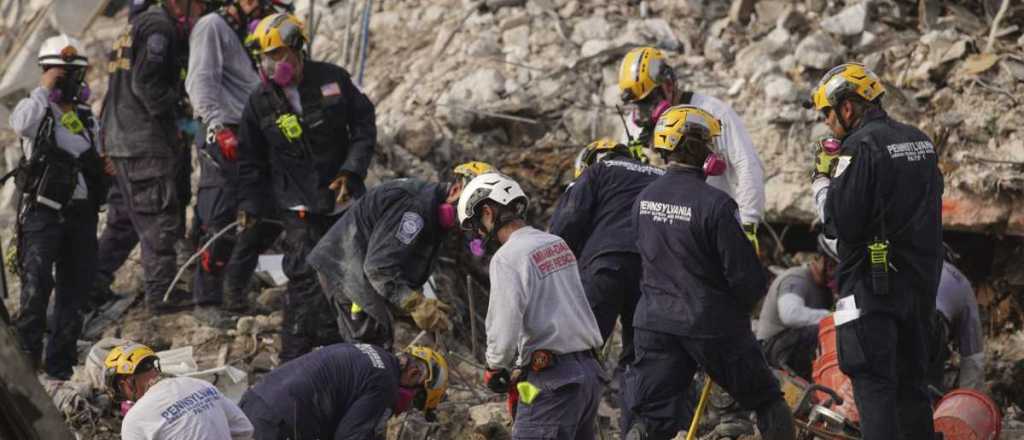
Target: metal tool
<point>701,405</point>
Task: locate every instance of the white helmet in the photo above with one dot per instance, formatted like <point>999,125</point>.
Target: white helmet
<point>495,187</point>
<point>62,50</point>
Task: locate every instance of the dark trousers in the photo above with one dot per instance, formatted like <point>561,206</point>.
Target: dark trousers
<point>227,267</point>
<point>267,425</point>
<point>566,407</point>
<point>612,285</point>
<point>149,189</point>
<point>61,244</point>
<point>309,320</point>
<point>793,348</point>
<point>886,359</point>
<point>658,381</point>
<point>119,236</point>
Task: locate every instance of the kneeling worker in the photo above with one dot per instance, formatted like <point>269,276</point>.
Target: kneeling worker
<point>375,259</point>
<point>797,300</point>
<point>178,408</point>
<point>701,278</point>
<point>344,391</point>
<point>539,312</point>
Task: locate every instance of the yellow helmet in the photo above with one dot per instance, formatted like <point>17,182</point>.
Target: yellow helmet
<point>436,382</point>
<point>643,69</point>
<point>684,122</point>
<point>595,151</point>
<point>467,171</point>
<point>843,80</point>
<point>124,360</point>
<point>277,31</point>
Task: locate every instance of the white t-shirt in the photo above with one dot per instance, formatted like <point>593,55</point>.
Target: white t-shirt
<point>183,408</point>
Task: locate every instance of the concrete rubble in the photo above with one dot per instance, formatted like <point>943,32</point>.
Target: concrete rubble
<point>525,84</point>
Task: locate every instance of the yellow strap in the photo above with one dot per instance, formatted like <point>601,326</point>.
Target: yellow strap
<point>692,432</point>
<point>527,392</point>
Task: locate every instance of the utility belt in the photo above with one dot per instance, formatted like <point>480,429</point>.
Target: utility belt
<point>521,390</point>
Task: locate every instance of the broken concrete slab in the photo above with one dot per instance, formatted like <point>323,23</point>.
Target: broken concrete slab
<point>848,22</point>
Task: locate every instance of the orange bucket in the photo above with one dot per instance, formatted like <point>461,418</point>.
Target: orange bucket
<point>827,373</point>
<point>826,336</point>
<point>965,414</point>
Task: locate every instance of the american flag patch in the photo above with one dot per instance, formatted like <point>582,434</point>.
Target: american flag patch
<point>331,89</point>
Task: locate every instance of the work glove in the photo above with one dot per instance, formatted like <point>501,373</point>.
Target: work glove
<point>825,153</point>
<point>246,220</point>
<point>226,140</point>
<point>497,380</point>
<point>750,229</point>
<point>340,186</point>
<point>429,314</point>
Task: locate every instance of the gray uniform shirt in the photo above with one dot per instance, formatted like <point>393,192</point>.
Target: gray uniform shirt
<point>221,75</point>
<point>793,300</point>
<point>537,300</point>
<point>956,301</point>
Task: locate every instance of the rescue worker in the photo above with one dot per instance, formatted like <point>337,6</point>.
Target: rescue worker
<point>593,217</point>
<point>141,136</point>
<point>221,76</point>
<point>959,325</point>
<point>61,182</point>
<point>880,196</point>
<point>306,139</point>
<point>378,256</point>
<point>797,300</point>
<point>701,279</point>
<point>168,408</point>
<point>345,391</point>
<point>541,334</point>
<point>649,86</point>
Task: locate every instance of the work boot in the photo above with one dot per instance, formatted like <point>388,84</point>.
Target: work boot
<point>236,302</point>
<point>775,421</point>
<point>732,426</point>
<point>212,316</point>
<point>637,432</point>
<point>100,295</point>
<point>178,300</point>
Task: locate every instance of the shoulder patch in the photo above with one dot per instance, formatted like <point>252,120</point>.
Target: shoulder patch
<point>156,47</point>
<point>409,227</point>
<point>552,258</point>
<point>843,162</point>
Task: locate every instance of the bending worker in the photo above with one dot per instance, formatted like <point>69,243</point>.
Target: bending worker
<point>345,392</point>
<point>61,183</point>
<point>538,320</point>
<point>701,278</point>
<point>377,257</point>
<point>306,139</point>
<point>168,408</point>
<point>797,300</point>
<point>593,217</point>
<point>649,86</point>
<point>881,197</point>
